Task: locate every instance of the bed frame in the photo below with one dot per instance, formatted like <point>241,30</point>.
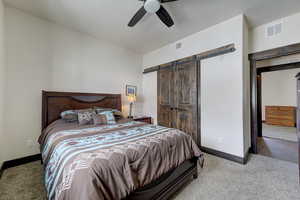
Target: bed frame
<point>53,103</point>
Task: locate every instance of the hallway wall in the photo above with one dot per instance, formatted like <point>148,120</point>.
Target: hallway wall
<point>279,89</point>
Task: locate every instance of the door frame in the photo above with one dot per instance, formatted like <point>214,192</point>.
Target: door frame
<point>255,85</point>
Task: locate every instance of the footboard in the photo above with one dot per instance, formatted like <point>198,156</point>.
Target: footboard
<point>168,184</point>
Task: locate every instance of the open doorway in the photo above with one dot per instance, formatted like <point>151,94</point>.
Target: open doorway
<point>287,57</point>
<point>278,104</point>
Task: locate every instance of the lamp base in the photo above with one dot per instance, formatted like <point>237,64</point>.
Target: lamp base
<point>130,111</point>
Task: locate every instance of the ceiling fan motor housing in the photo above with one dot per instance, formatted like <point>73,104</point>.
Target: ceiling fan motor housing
<point>152,6</point>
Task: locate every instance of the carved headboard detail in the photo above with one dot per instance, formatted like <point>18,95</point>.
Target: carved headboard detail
<point>53,103</point>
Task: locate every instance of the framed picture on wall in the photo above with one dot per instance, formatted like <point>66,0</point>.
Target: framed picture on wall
<point>131,90</point>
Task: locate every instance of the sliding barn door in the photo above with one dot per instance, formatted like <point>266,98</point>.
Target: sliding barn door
<point>166,96</point>
<point>185,94</point>
<point>177,96</point>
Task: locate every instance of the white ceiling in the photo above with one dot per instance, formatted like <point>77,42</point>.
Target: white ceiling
<point>108,19</point>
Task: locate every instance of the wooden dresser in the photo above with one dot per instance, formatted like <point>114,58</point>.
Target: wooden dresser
<point>281,115</point>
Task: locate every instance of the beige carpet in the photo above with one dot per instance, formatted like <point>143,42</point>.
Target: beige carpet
<point>23,183</point>
<point>262,178</point>
<point>280,132</point>
<point>278,149</point>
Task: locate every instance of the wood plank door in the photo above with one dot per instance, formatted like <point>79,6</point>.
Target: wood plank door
<point>298,118</point>
<point>165,96</point>
<point>186,97</point>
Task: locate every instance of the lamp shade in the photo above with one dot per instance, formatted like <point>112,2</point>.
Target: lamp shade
<point>132,98</point>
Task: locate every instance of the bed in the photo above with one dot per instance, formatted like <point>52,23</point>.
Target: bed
<point>126,160</point>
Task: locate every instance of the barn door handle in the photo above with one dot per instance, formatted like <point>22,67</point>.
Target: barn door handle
<point>178,109</point>
<point>181,109</point>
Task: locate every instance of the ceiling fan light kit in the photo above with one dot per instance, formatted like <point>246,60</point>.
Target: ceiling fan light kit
<point>153,6</point>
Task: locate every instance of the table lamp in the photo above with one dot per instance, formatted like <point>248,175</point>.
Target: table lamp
<point>131,99</point>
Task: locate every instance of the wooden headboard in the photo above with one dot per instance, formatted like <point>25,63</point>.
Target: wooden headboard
<point>53,103</point>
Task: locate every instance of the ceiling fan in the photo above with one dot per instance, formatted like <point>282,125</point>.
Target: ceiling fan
<point>153,6</point>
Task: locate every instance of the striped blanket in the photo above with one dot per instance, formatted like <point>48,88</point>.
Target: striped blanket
<point>109,162</point>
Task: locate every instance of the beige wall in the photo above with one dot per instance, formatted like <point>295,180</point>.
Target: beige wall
<point>221,85</point>
<point>279,89</point>
<point>150,95</point>
<point>45,56</point>
<point>246,89</point>
<point>290,34</point>
<point>2,81</point>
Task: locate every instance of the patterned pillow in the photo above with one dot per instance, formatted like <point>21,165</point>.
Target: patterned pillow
<point>118,114</point>
<point>99,109</point>
<point>85,116</point>
<point>69,116</point>
<point>99,119</point>
<point>110,118</point>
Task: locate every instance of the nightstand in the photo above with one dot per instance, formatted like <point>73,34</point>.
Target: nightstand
<point>143,119</point>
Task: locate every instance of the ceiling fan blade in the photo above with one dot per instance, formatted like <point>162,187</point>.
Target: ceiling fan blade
<point>164,16</point>
<point>137,17</point>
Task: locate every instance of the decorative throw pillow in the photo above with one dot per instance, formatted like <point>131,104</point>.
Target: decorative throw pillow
<point>99,119</point>
<point>69,116</point>
<point>99,109</point>
<point>85,116</point>
<point>110,118</point>
<point>117,114</point>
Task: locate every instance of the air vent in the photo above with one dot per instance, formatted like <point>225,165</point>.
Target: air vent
<point>274,29</point>
<point>278,29</point>
<point>270,31</point>
<point>178,45</point>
